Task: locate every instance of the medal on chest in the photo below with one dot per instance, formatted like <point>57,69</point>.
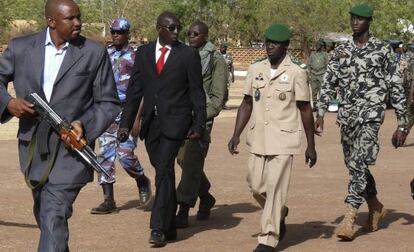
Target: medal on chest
<point>257,95</point>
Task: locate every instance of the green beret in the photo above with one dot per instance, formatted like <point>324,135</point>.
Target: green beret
<point>362,10</point>
<point>278,32</point>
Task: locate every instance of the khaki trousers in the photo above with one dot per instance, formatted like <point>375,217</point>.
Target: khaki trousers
<point>268,178</point>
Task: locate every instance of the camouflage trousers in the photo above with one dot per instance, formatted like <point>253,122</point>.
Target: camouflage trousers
<point>110,149</point>
<point>315,82</point>
<point>410,105</point>
<point>360,147</point>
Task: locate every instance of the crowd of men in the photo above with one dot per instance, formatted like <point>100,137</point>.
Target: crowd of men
<point>168,94</point>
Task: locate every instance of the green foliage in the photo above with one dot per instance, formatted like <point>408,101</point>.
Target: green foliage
<point>240,22</point>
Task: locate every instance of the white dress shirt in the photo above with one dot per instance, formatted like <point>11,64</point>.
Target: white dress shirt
<point>158,51</point>
<point>53,61</point>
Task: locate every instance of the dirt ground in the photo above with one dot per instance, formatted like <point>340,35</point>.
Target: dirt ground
<point>315,201</point>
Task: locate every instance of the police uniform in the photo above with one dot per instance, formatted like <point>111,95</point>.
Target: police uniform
<point>110,148</point>
<point>362,78</point>
<point>122,62</point>
<point>274,136</point>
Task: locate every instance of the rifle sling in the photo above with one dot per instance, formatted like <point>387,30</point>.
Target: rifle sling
<point>36,184</point>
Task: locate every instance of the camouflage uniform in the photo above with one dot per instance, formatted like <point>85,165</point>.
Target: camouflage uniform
<point>364,77</point>
<point>317,68</point>
<point>407,69</point>
<point>122,63</point>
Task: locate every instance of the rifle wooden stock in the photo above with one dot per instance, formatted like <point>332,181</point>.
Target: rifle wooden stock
<point>79,145</point>
<point>63,127</point>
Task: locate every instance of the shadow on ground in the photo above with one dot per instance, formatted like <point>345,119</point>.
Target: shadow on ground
<point>299,233</point>
<point>135,204</point>
<point>222,217</point>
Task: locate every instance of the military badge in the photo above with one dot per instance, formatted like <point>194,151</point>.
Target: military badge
<point>259,77</point>
<point>257,95</point>
<point>284,77</point>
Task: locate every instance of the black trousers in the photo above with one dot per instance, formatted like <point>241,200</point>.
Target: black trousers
<point>162,152</point>
<point>52,208</point>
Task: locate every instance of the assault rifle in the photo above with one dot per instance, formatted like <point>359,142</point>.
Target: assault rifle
<point>64,127</point>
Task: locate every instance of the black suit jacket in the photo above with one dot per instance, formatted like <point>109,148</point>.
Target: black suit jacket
<point>177,92</point>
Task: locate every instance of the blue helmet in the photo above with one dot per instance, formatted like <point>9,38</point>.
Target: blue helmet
<point>120,24</point>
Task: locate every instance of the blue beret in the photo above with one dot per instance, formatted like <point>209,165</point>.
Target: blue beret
<point>362,10</point>
<point>120,24</point>
<point>278,32</point>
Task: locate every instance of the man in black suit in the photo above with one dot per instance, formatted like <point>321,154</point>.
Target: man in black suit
<point>168,74</point>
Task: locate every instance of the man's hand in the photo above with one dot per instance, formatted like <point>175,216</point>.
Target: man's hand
<point>123,134</point>
<point>319,125</point>
<point>78,130</point>
<point>136,128</point>
<point>310,156</point>
<point>193,135</point>
<point>398,138</point>
<point>19,107</point>
<point>232,145</point>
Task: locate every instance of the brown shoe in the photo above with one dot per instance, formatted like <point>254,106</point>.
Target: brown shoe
<point>375,215</point>
<point>345,230</point>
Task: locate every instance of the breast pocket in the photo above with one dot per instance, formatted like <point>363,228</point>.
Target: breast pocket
<point>258,84</point>
<point>283,91</point>
<point>344,68</point>
<point>375,70</point>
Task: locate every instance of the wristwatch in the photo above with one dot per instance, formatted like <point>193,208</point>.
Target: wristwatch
<point>403,129</point>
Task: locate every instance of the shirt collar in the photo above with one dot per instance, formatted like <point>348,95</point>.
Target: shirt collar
<point>159,46</point>
<point>49,41</point>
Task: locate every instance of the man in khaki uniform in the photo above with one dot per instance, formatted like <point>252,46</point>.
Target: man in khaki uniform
<point>276,100</point>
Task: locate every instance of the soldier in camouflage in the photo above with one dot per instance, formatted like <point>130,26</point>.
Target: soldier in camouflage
<point>318,61</point>
<point>122,58</point>
<point>364,71</point>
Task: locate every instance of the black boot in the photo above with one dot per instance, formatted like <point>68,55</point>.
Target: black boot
<point>181,220</point>
<point>109,205</point>
<point>144,190</point>
<point>206,203</point>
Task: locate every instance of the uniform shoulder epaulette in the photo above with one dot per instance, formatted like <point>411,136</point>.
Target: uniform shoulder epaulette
<point>260,59</point>
<point>299,63</point>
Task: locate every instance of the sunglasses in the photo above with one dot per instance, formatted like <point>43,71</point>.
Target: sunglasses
<point>193,34</point>
<point>172,28</point>
<point>121,32</point>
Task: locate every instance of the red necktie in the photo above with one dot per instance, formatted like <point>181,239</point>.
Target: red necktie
<point>160,62</point>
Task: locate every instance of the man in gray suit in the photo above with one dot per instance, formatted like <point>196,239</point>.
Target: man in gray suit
<point>74,75</point>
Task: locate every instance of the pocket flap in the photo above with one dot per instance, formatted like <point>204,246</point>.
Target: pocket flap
<point>290,127</point>
<point>258,84</point>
